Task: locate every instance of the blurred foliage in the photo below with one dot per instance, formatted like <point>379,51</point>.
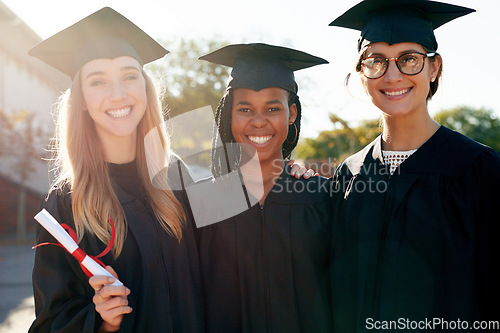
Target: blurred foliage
<point>189,84</point>
<point>22,136</point>
<point>22,141</point>
<point>480,125</point>
<point>342,141</point>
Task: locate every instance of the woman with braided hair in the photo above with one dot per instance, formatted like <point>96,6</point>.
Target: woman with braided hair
<point>264,267</point>
<point>224,133</point>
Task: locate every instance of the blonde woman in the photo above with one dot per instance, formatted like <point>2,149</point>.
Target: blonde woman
<point>103,175</point>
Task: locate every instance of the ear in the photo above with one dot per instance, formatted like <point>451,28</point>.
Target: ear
<point>293,114</point>
<point>436,65</point>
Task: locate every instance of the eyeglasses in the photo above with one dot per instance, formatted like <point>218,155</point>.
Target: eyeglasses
<point>411,63</point>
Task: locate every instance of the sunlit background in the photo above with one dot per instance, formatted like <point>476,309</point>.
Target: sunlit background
<point>469,47</point>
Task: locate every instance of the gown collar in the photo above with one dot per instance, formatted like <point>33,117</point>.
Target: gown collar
<point>446,152</point>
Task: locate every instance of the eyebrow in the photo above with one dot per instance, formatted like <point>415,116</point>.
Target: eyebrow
<point>274,101</point>
<point>123,69</point>
<point>400,53</point>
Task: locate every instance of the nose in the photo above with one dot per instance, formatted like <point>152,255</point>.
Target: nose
<point>117,90</point>
<point>392,73</point>
<point>258,120</point>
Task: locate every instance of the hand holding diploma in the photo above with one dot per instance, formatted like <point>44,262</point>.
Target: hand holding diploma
<point>110,301</point>
<point>56,230</point>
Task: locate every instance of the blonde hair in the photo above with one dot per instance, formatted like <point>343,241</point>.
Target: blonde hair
<point>79,164</point>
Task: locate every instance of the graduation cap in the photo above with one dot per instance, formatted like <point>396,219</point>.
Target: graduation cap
<point>399,21</point>
<point>257,66</point>
<point>103,34</point>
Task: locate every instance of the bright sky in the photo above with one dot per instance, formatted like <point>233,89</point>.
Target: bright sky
<point>469,45</point>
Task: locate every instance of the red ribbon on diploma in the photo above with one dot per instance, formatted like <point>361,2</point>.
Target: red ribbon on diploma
<point>79,254</point>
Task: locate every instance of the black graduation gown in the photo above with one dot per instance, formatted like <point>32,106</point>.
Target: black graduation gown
<point>162,274</point>
<point>417,245</point>
<point>266,269</point>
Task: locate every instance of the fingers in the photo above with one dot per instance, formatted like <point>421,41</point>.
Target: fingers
<point>99,281</point>
<point>110,301</point>
<point>104,289</point>
<point>309,173</point>
<point>111,291</point>
<point>295,168</point>
<point>112,311</point>
<point>302,172</point>
<point>112,271</point>
<point>111,306</point>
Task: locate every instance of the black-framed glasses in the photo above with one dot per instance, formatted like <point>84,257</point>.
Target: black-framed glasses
<point>410,63</point>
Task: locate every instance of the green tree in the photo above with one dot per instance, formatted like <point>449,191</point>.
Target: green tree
<point>478,124</point>
<point>189,84</point>
<point>340,142</point>
<point>344,140</point>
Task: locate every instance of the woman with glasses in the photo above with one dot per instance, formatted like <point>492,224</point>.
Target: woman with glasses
<point>416,207</point>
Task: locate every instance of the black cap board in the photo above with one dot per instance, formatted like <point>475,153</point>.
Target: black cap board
<point>103,34</point>
<point>257,66</point>
<point>399,21</point>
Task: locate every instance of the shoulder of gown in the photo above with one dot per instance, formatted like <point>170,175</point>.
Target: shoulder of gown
<point>352,165</point>
<point>293,191</point>
<point>449,154</point>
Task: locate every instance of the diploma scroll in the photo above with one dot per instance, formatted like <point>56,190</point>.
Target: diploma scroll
<point>54,228</point>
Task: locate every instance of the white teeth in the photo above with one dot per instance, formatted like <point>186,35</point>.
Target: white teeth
<point>396,93</point>
<point>119,113</point>
<point>260,139</point>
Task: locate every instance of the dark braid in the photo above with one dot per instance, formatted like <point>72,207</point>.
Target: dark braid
<point>292,137</point>
<point>226,155</point>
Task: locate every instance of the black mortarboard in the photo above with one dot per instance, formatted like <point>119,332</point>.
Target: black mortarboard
<point>399,21</point>
<point>103,34</point>
<point>258,66</point>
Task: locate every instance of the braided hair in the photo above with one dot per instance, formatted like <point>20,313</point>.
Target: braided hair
<point>225,155</point>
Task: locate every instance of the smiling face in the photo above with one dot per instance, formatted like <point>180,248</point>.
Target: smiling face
<point>397,94</point>
<point>260,120</point>
<point>114,93</point>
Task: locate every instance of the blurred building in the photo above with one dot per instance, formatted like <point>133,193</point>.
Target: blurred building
<point>30,86</point>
